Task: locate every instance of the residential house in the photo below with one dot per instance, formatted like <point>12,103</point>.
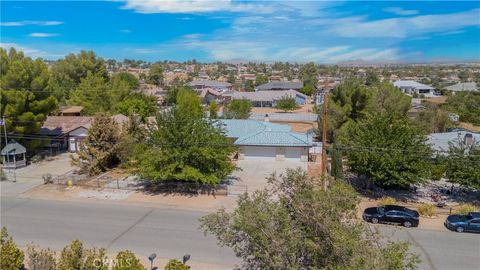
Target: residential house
<point>268,98</point>
<point>440,142</point>
<point>71,111</point>
<point>461,87</point>
<point>215,85</point>
<point>259,140</point>
<point>208,95</point>
<point>68,132</point>
<point>411,87</point>
<point>279,86</point>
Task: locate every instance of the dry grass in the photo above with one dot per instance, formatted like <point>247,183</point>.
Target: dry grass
<point>466,208</point>
<point>426,210</point>
<point>387,201</point>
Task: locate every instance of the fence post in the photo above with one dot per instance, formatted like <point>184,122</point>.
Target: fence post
<point>118,186</point>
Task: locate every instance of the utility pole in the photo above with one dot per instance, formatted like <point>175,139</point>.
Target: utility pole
<point>324,132</point>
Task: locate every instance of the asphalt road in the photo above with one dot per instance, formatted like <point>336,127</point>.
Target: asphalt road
<point>171,233</point>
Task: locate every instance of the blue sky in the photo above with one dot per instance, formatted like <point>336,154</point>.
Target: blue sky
<point>211,30</point>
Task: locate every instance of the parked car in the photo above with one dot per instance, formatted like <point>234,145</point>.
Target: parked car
<point>392,214</point>
<point>464,223</point>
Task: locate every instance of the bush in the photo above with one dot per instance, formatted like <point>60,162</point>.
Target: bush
<point>36,158</point>
<point>11,257</point>
<point>175,265</point>
<point>426,210</point>
<point>387,201</point>
<point>466,208</point>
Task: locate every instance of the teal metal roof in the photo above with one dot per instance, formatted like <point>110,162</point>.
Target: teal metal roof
<point>253,132</point>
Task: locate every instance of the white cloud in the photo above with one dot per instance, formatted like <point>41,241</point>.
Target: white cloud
<point>42,35</point>
<point>125,31</point>
<point>23,23</point>
<point>29,51</point>
<point>400,11</point>
<point>195,6</point>
<point>407,27</point>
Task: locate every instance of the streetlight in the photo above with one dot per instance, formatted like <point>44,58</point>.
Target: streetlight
<point>151,258</point>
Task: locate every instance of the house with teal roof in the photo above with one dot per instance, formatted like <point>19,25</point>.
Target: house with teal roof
<point>261,140</point>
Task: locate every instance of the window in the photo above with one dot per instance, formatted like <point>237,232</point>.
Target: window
<point>475,221</point>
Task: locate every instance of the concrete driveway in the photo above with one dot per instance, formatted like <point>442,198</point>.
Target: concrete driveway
<point>31,175</point>
<point>253,173</point>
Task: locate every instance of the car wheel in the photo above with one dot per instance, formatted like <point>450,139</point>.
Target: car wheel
<point>374,220</point>
<point>407,224</point>
<point>460,229</point>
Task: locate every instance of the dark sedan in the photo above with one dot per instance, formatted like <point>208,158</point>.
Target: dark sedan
<point>464,223</point>
<point>392,214</point>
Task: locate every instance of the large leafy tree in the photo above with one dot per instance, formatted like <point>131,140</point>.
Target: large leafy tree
<point>463,163</point>
<point>185,146</point>
<point>388,150</point>
<point>155,75</point>
<point>68,72</point>
<point>99,150</point>
<point>93,93</point>
<point>466,105</point>
<point>25,100</point>
<point>137,104</point>
<point>308,74</point>
<point>286,104</point>
<point>238,109</point>
<point>294,224</point>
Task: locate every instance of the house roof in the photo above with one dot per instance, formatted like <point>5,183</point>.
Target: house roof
<point>13,148</point>
<point>205,91</point>
<point>440,141</point>
<point>59,125</point>
<point>253,132</point>
<point>411,84</point>
<point>279,86</point>
<point>209,83</point>
<point>471,86</point>
<point>266,95</point>
<point>72,109</point>
<point>286,117</point>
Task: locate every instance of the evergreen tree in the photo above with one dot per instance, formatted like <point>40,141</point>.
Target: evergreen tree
<point>11,257</point>
<point>99,151</point>
<point>337,163</point>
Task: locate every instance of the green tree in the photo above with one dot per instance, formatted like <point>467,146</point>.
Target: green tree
<point>432,119</point>
<point>388,150</point>
<point>385,98</point>
<point>24,98</point>
<point>127,77</point>
<point>186,147</point>
<point>67,73</point>
<point>93,93</point>
<point>11,257</point>
<point>175,265</point>
<point>231,77</point>
<point>249,86</point>
<point>372,78</point>
<point>213,110</point>
<point>40,259</point>
<point>286,104</point>
<point>126,260</point>
<point>99,150</point>
<point>261,79</point>
<point>462,163</point>
<point>308,90</point>
<point>465,104</point>
<point>75,256</point>
<point>295,224</point>
<point>155,75</point>
<point>238,109</point>
<point>337,163</point>
<point>308,74</point>
<point>137,104</point>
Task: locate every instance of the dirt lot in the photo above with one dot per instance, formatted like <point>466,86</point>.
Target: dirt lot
<point>305,108</point>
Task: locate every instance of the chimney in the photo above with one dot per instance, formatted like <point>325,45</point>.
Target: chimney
<point>468,140</point>
<point>266,119</point>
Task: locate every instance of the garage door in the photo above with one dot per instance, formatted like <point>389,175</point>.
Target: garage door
<point>259,152</point>
<point>293,153</point>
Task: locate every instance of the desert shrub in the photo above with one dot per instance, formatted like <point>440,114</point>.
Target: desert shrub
<point>175,265</point>
<point>466,208</point>
<point>426,210</point>
<point>387,201</point>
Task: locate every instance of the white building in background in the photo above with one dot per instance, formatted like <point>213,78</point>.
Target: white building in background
<point>410,87</point>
